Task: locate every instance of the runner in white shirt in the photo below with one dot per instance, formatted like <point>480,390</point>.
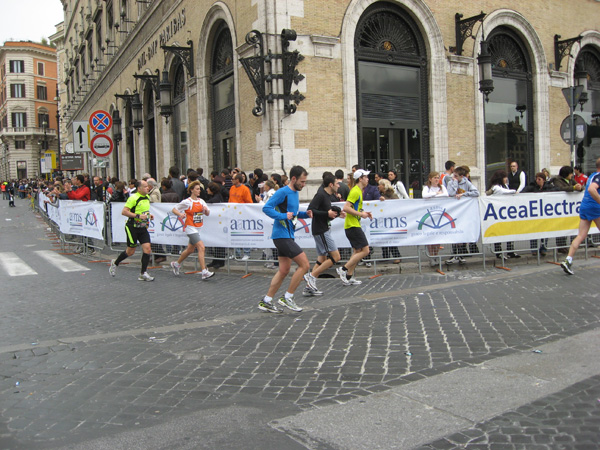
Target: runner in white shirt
<point>191,212</point>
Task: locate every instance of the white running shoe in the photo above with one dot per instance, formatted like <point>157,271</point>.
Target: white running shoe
<point>354,281</point>
<point>206,274</point>
<point>112,268</point>
<point>289,303</point>
<point>311,281</point>
<point>342,273</point>
<point>245,258</point>
<point>145,277</point>
<point>308,292</point>
<point>175,266</point>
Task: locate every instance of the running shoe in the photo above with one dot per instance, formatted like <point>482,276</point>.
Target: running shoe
<point>308,292</point>
<point>353,281</point>
<point>289,303</point>
<point>245,258</point>
<point>269,307</point>
<point>453,260</point>
<point>206,274</point>
<point>112,269</point>
<point>567,267</point>
<point>462,261</point>
<point>145,277</point>
<point>175,266</point>
<point>311,281</point>
<point>342,273</point>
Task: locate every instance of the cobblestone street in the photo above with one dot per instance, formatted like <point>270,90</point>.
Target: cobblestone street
<point>87,357</point>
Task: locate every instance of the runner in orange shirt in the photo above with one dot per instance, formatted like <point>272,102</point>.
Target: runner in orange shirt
<point>191,212</point>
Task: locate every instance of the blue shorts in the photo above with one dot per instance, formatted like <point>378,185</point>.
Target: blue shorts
<point>589,213</point>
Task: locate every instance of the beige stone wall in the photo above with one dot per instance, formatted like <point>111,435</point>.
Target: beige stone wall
<point>325,138</point>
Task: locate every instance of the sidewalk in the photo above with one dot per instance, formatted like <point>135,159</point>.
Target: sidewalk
<point>475,404</point>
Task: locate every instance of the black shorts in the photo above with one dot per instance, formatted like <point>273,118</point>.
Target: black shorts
<point>287,247</point>
<point>357,237</point>
<point>135,235</point>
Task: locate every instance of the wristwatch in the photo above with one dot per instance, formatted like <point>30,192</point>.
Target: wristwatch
<point>137,216</point>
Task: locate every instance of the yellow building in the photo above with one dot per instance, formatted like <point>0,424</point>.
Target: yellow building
<point>382,84</point>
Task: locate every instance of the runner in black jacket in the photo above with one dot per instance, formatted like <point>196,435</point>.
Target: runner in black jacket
<point>323,214</point>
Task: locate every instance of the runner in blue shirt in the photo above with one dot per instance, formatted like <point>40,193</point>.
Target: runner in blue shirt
<point>589,211</point>
<point>284,206</point>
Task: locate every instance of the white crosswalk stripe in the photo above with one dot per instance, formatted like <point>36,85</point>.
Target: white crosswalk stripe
<point>15,266</point>
<point>60,262</point>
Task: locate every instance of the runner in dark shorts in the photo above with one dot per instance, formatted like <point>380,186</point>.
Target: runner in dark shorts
<point>284,206</point>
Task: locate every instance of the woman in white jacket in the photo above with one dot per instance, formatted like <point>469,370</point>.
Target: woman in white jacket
<point>434,189</point>
<point>397,185</point>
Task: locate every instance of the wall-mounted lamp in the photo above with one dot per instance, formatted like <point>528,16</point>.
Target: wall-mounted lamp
<point>116,128</point>
<point>162,91</point>
<point>486,82</point>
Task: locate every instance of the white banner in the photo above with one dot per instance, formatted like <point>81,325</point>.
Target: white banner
<point>82,218</point>
<point>530,216</point>
<point>395,223</point>
<point>52,211</point>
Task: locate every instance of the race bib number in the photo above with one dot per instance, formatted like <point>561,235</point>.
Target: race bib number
<point>198,218</point>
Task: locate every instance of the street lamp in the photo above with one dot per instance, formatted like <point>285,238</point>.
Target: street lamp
<point>486,82</point>
<point>136,108</point>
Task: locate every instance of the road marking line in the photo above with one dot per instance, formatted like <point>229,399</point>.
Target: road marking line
<point>14,265</point>
<point>60,262</point>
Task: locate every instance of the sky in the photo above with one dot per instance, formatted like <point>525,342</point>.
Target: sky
<point>29,20</point>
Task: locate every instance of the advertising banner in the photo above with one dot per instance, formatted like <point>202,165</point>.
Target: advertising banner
<point>395,223</point>
<point>82,218</point>
<point>530,216</point>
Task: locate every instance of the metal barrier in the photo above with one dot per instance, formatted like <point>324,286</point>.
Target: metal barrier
<point>437,256</point>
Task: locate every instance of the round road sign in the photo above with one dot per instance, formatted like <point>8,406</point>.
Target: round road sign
<point>101,145</point>
<point>580,129</point>
<point>100,121</point>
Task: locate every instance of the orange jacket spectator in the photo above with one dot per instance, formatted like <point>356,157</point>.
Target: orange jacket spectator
<point>239,193</point>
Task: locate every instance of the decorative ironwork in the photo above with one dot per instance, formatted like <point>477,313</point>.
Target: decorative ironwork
<point>386,31</point>
<point>562,48</point>
<point>463,28</point>
<point>185,54</point>
<point>506,54</point>
<point>152,79</point>
<point>255,69</point>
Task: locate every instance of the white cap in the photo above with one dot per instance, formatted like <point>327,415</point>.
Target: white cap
<point>360,173</point>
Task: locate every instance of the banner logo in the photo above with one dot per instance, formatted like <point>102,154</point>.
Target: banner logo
<point>171,223</point>
<point>246,227</point>
<point>90,218</point>
<point>75,220</point>
<point>380,226</point>
<point>436,219</point>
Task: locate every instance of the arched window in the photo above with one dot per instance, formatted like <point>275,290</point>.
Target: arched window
<point>509,112</point>
<point>393,115</point>
<point>222,99</point>
<point>588,61</point>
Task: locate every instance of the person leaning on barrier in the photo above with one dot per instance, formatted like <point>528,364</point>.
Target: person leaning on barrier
<point>168,195</point>
<point>434,188</point>
<point>564,182</point>
<point>137,210</point>
<point>155,197</point>
<point>459,186</point>
<point>539,186</point>
<point>219,253</point>
<point>498,186</point>
<point>387,192</point>
<point>118,194</point>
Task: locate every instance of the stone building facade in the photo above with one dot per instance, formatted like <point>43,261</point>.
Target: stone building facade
<point>382,83</point>
<point>27,109</point>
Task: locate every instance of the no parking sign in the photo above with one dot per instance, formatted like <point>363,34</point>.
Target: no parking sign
<point>100,121</point>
